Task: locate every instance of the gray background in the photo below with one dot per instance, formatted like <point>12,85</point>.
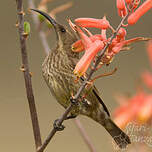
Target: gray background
<point>15,125</point>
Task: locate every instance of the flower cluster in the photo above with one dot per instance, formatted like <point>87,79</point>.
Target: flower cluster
<point>139,107</point>
<point>93,44</point>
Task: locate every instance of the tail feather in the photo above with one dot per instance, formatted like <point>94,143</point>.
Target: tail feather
<point>121,139</point>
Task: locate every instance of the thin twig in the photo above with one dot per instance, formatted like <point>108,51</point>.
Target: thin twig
<point>27,76</point>
<point>103,75</point>
<point>84,135</point>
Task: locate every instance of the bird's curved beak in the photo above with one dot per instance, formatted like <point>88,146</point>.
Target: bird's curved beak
<point>50,19</point>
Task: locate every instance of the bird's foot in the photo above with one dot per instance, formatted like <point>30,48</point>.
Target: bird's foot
<point>57,126</point>
<point>73,101</point>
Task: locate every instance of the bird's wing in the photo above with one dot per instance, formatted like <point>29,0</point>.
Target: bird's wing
<point>95,91</point>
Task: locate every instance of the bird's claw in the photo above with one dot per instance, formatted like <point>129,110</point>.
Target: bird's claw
<point>73,101</point>
<point>57,126</point>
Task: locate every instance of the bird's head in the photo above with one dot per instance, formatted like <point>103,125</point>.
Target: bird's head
<point>65,38</point>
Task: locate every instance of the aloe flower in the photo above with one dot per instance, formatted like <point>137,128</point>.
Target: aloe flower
<point>78,46</point>
<point>131,110</point>
<point>91,22</point>
<point>85,39</point>
<point>89,55</point>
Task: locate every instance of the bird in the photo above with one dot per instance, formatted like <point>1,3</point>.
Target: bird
<point>57,70</point>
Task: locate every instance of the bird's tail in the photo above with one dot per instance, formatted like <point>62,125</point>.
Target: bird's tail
<point>121,139</point>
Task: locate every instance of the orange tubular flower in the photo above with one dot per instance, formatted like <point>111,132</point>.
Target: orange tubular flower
<point>85,39</point>
<point>78,46</point>
<point>103,33</point>
<point>87,31</point>
<point>96,37</point>
<point>91,22</point>
<point>116,49</point>
<point>121,34</point>
<point>72,25</point>
<point>134,17</point>
<point>122,11</point>
<point>124,117</point>
<point>85,61</point>
<point>134,40</point>
<point>129,112</point>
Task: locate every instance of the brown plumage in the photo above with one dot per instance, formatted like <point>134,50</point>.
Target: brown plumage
<point>58,69</point>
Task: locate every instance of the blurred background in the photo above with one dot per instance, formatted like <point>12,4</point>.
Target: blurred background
<point>15,124</point>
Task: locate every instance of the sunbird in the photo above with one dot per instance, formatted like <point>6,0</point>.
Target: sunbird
<point>57,70</point>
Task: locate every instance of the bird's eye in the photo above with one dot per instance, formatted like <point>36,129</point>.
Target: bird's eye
<point>63,30</point>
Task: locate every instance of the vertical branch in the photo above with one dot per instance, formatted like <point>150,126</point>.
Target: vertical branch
<point>27,76</point>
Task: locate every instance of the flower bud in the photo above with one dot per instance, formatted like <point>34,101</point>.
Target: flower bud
<point>91,22</point>
<point>134,17</point>
<point>86,59</point>
<point>122,11</point>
